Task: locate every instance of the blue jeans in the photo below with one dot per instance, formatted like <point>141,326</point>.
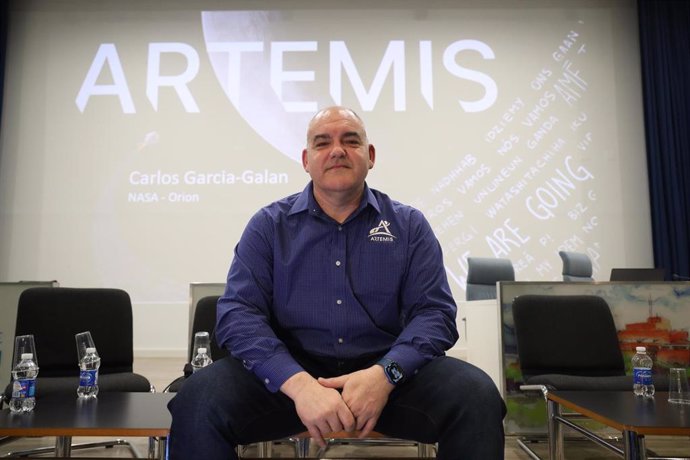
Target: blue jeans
<point>448,401</point>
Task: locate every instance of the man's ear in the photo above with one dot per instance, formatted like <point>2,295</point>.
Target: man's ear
<point>305,161</point>
<point>372,155</point>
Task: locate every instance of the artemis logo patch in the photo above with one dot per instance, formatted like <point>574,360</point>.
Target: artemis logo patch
<point>382,232</point>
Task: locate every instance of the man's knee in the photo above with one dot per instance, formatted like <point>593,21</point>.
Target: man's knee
<point>217,388</point>
<point>469,387</point>
<point>196,390</point>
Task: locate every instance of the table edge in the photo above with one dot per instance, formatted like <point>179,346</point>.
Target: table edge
<point>668,431</point>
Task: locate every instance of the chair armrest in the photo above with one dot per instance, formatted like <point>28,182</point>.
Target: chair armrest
<point>188,370</point>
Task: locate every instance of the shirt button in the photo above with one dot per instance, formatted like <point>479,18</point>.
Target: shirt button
<point>340,228</point>
<point>266,381</point>
<point>340,340</point>
<point>339,302</point>
<point>337,263</point>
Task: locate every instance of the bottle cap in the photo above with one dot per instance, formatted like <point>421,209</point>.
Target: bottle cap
<point>27,355</point>
<point>90,350</point>
<point>202,350</point>
<point>640,349</point>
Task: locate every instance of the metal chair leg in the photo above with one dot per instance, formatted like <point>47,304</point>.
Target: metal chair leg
<point>301,447</point>
<point>265,449</point>
<point>63,446</point>
<point>152,447</point>
<point>425,450</point>
<point>553,410</point>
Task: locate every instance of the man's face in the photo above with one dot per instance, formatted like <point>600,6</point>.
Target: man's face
<point>338,155</point>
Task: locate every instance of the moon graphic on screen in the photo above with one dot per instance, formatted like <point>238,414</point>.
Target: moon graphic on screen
<point>238,45</point>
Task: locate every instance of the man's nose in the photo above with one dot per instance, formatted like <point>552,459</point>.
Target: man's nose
<point>337,151</point>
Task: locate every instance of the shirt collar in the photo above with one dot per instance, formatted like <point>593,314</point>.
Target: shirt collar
<point>306,201</point>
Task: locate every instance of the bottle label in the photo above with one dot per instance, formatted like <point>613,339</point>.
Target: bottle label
<point>24,388</point>
<point>642,376</point>
<point>88,378</point>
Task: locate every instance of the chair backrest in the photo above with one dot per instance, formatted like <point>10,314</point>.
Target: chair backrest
<point>569,334</point>
<point>637,274</point>
<point>55,314</point>
<point>205,320</point>
<point>577,266</point>
<point>482,275</point>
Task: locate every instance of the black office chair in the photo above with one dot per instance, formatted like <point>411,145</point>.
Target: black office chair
<point>482,275</point>
<point>577,266</point>
<point>54,315</point>
<point>204,320</point>
<point>569,342</point>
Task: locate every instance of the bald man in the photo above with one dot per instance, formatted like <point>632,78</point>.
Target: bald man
<point>337,314</point>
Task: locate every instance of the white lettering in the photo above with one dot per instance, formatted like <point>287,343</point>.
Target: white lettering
<point>179,82</point>
<point>426,78</point>
<point>280,76</point>
<point>107,53</point>
<point>491,90</point>
<point>394,58</point>
<point>391,69</point>
<point>234,51</point>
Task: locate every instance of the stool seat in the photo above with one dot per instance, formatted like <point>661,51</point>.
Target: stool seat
<point>302,442</point>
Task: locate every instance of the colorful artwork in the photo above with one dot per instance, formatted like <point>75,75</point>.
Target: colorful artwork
<point>655,315</point>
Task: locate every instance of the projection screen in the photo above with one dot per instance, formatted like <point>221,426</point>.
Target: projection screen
<point>139,137</point>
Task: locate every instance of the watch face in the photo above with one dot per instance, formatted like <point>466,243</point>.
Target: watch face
<point>394,372</point>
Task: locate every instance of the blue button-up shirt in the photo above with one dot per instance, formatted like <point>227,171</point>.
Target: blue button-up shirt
<point>300,280</point>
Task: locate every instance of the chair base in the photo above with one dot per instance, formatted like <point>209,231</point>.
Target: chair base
<point>524,444</point>
<point>67,449</point>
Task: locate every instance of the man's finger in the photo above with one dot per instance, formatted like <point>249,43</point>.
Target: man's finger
<point>368,428</point>
<point>361,422</point>
<point>333,382</point>
<point>316,435</point>
<point>346,419</point>
<point>334,424</point>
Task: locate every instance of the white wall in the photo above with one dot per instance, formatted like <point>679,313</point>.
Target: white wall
<point>516,129</point>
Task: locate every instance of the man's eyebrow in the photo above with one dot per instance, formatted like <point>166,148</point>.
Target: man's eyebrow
<point>327,137</point>
<point>319,137</point>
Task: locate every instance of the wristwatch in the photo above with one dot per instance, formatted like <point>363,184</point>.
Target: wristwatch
<point>394,373</point>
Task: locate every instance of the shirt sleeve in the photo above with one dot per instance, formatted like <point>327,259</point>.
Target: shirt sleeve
<point>244,310</point>
<point>428,310</point>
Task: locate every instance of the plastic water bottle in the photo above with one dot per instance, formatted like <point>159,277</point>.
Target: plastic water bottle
<point>202,359</point>
<point>642,373</point>
<point>88,374</point>
<point>24,385</point>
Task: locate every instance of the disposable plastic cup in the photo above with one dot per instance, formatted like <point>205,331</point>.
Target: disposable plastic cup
<point>24,344</point>
<point>678,387</point>
<point>84,341</point>
<point>202,340</point>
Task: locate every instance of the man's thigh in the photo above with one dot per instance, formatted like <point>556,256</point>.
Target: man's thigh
<point>232,399</point>
<point>425,405</point>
